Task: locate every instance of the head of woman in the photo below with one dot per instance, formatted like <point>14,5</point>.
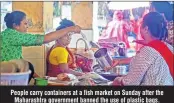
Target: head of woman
<point>164,8</point>
<point>153,27</point>
<point>16,20</point>
<point>65,40</point>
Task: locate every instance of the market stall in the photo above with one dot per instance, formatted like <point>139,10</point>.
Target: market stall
<point>125,24</point>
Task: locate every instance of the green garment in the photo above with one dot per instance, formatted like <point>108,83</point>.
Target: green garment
<point>12,42</point>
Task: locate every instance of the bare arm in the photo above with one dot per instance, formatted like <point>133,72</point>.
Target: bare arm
<point>124,61</point>
<point>59,33</point>
<point>64,67</point>
<point>142,42</point>
<point>118,62</point>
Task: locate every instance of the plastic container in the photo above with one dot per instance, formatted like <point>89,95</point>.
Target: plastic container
<point>121,70</point>
<point>41,82</point>
<point>103,58</point>
<point>15,78</point>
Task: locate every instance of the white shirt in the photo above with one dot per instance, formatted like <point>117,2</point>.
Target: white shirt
<point>148,68</point>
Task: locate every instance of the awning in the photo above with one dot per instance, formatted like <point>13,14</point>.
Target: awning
<point>127,5</point>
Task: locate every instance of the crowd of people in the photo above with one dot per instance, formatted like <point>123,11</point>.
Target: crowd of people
<point>120,27</point>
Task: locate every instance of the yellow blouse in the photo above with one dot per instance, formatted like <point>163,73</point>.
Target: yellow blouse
<point>58,56</point>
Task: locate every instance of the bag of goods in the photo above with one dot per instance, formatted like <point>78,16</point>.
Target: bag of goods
<point>84,57</point>
<point>94,75</point>
<point>92,78</point>
<point>85,82</point>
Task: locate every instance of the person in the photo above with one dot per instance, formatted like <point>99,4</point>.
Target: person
<point>59,58</point>
<point>153,65</point>
<point>166,10</point>
<point>117,30</point>
<point>15,36</point>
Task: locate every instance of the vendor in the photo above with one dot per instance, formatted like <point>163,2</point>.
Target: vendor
<point>149,67</point>
<point>59,58</point>
<point>117,30</point>
<point>15,36</point>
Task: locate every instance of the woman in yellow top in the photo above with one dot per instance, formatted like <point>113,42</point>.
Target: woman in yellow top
<point>59,58</point>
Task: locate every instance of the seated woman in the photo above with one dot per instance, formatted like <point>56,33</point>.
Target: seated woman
<point>59,58</point>
<point>152,65</point>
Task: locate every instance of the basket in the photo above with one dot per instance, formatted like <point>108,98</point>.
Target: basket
<point>15,78</point>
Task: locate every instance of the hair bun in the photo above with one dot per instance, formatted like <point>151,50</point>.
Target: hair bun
<point>164,31</point>
<point>65,23</point>
<point>7,17</point>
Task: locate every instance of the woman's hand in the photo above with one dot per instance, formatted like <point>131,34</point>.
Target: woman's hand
<point>114,63</point>
<point>36,75</point>
<point>116,83</point>
<point>76,29</point>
